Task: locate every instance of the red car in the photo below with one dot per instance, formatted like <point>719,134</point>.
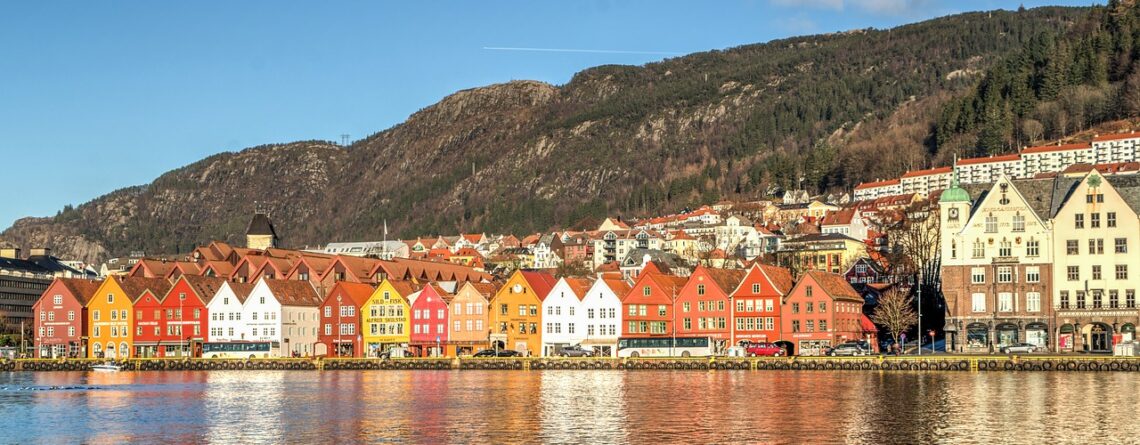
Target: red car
<point>761,349</point>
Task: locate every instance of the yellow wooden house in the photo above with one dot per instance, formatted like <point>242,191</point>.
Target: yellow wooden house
<point>110,315</point>
<point>386,317</point>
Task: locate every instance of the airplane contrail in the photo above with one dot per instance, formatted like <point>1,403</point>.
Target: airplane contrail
<point>577,50</point>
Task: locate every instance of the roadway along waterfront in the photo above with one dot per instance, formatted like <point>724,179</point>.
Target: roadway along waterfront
<point>566,407</point>
<point>1065,363</point>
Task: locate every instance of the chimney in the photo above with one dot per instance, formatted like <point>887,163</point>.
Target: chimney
<point>40,251</point>
<point>10,252</point>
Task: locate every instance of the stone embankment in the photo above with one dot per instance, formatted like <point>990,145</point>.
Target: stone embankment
<point>872,363</point>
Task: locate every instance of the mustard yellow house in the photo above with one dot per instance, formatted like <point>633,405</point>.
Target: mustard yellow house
<point>110,314</point>
<point>516,311</point>
<point>386,317</point>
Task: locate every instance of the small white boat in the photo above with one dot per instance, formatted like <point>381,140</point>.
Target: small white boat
<point>106,367</point>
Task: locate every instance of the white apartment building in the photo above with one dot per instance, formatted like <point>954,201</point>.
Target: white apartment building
<point>925,181</point>
<point>988,170</point>
<point>1055,158</point>
<point>878,189</point>
<point>1119,147</point>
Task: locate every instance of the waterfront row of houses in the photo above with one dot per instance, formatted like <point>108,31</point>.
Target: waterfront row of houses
<point>1111,151</point>
<point>531,312</point>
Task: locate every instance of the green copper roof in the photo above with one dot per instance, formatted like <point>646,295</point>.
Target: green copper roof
<point>955,193</point>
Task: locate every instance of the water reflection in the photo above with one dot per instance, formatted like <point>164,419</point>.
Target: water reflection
<point>568,407</point>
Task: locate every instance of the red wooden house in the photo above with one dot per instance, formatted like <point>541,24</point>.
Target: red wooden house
<point>429,323</point>
<point>148,324</point>
<point>340,322</point>
<point>648,307</point>
<point>821,311</point>
<point>757,301</point>
<point>61,318</point>
<point>704,305</point>
<point>184,319</point>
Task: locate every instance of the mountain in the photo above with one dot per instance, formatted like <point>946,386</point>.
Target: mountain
<point>614,140</point>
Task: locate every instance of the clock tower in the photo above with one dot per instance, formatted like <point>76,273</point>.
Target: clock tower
<point>954,207</point>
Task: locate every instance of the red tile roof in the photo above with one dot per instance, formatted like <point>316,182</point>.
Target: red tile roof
<point>294,292</point>
<point>540,282</point>
<point>868,185</point>
<point>357,292</point>
<point>1117,136</point>
<point>780,277</point>
<point>1052,148</point>
<point>835,285</point>
<point>927,172</point>
<point>989,159</point>
<point>81,289</point>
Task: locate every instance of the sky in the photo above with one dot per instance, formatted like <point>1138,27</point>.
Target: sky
<point>96,96</point>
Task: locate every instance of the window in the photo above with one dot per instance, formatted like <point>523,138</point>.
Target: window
<point>809,308</point>
<point>1122,271</point>
<point>1080,299</point>
<point>661,310</point>
<point>1113,299</point>
<point>1096,246</point>
<point>1111,219</point>
<point>1032,248</point>
<point>1079,221</point>
<point>1005,302</point>
<point>1094,220</point>
<point>503,309</point>
<point>1121,245</point>
<point>978,275</point>
<point>756,288</point>
<point>795,325</point>
<point>811,325</point>
<point>1032,274</point>
<point>700,289</point>
<point>1096,272</point>
<point>979,302</point>
<point>522,310</point>
<point>1072,248</point>
<point>1033,301</point>
<point>1064,299</point>
<point>739,305</point>
<point>1073,273</point>
<point>822,307</point>
<point>1005,274</point>
<point>1018,222</point>
<point>768,305</point>
<point>641,310</point>
<point>795,308</point>
<point>328,311</point>
<point>991,224</point>
<point>808,290</point>
<point>57,300</point>
<point>1098,296</point>
<point>645,291</point>
<point>110,298</point>
<point>979,249</point>
<point>1006,249</point>
<point>1129,299</point>
<point>953,249</point>
<point>70,315</point>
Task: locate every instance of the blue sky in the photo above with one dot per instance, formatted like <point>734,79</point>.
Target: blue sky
<point>95,96</point>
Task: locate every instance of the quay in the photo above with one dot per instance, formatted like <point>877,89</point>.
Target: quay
<point>959,363</point>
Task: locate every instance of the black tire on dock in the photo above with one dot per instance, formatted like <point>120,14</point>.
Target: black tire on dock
<point>904,365</point>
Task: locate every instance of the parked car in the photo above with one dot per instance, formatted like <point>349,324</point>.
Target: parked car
<point>485,353</point>
<point>1020,348</point>
<point>576,351</point>
<point>509,353</point>
<point>853,349</point>
<point>764,349</point>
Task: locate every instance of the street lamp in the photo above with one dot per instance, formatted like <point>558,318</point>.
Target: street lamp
<point>181,345</point>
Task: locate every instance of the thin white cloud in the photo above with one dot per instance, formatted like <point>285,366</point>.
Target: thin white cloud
<point>835,5</point>
<point>580,50</point>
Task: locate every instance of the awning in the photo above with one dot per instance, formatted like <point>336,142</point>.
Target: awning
<point>867,324</point>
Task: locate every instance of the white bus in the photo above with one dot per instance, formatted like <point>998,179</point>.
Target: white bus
<point>665,347</point>
<point>239,349</point>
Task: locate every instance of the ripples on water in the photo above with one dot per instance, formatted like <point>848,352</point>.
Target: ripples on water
<point>569,407</point>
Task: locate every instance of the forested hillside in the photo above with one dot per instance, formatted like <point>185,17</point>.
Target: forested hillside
<point>831,110</point>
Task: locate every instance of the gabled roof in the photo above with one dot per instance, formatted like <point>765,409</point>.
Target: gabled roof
<point>1128,187</point>
<point>81,289</point>
<point>668,283</point>
<point>619,286</point>
<point>579,286</point>
<point>779,277</point>
<point>135,287</point>
<point>204,287</point>
<point>358,293</point>
<point>839,217</point>
<point>241,290</point>
<point>293,292</point>
<point>540,282</point>
<point>726,279</point>
<point>835,285</point>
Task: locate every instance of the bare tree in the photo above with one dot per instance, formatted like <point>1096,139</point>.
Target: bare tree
<point>896,312</point>
<point>913,237</point>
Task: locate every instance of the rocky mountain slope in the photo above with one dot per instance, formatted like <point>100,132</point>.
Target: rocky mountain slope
<point>618,140</point>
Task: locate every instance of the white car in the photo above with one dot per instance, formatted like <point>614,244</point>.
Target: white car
<point>1020,348</point>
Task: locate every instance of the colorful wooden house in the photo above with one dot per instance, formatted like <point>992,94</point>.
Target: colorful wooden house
<point>341,333</point>
<point>61,318</point>
<point>704,305</point>
<point>430,336</point>
<point>185,321</point>
<point>603,313</point>
<point>648,307</point>
<point>225,310</point>
<point>387,316</point>
<point>757,301</point>
<point>110,313</point>
<point>470,317</point>
<point>564,315</point>
<point>515,312</point>
<point>821,311</point>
